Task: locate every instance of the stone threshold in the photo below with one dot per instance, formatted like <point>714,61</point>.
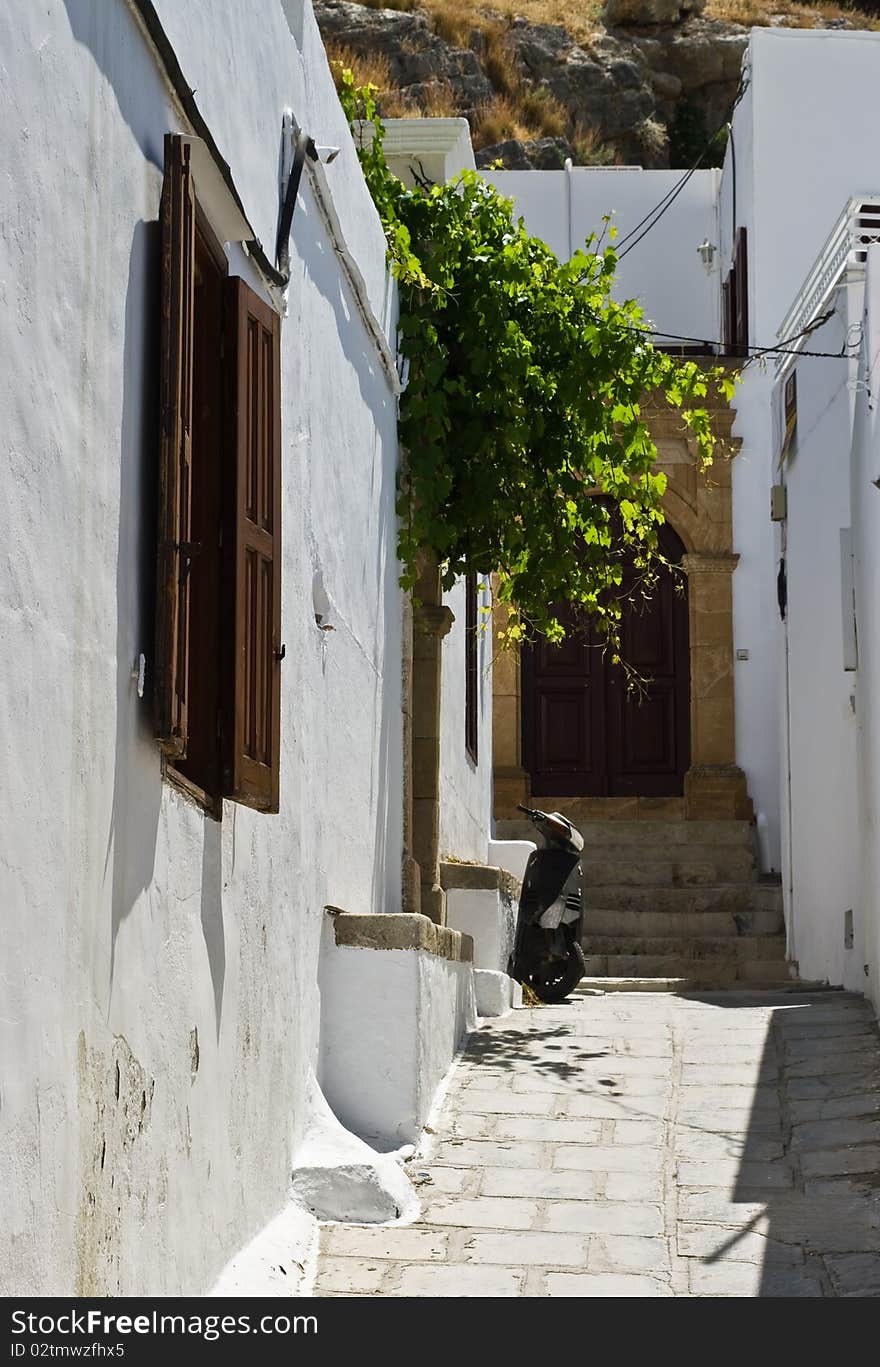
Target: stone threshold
<point>400,930</point>
<point>483,877</point>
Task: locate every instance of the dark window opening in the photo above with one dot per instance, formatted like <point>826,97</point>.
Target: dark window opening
<point>472,668</point>
<point>735,300</point>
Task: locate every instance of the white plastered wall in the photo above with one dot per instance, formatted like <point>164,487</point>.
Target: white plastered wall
<point>821,879</point>
<point>465,783</point>
<point>159,982</point>
<point>866,536</point>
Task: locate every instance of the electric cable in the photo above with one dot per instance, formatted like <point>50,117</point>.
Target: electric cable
<point>659,209</point>
<point>783,348</point>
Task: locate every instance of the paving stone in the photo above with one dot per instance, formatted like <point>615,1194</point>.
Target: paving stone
<point>856,1274</point>
<point>835,1108</point>
<point>831,1134</point>
<point>727,1120</point>
<point>833,1162</point>
<point>541,1185</point>
<point>526,1249</point>
<point>400,1243</point>
<point>764,1099</point>
<point>481,1212</point>
<point>350,1276</point>
<point>439,1179</point>
<point>719,1244</point>
<point>632,1186</point>
<point>751,1279</point>
<point>599,1158</point>
<point>604,1284</point>
<point>604,1217</point>
<point>479,1153</point>
<point>734,1175</point>
<point>849,1084</point>
<point>576,1130</point>
<point>564,1158</point>
<point>491,1102</point>
<point>613,1107</point>
<point>627,1253</point>
<point>638,1132</point>
<point>864,1044</point>
<point>459,1279</point>
<point>704,1146</point>
<point>728,1076</point>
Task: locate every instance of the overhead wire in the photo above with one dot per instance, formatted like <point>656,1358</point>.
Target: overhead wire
<point>660,208</point>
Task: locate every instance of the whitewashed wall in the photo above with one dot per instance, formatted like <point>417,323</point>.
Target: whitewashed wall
<point>804,142</point>
<point>465,785</point>
<point>563,208</point>
<point>821,872</point>
<point>158,1001</point>
<point>865,470</point>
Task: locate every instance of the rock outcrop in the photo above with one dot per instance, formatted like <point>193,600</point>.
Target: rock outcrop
<point>653,86</point>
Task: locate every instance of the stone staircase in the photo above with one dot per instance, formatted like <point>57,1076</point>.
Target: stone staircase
<point>678,903</point>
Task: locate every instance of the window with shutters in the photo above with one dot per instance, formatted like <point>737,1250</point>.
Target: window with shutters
<point>217,674</point>
<point>471,668</point>
<point>735,300</point>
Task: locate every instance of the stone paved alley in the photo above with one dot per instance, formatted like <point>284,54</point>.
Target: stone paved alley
<point>644,1145</point>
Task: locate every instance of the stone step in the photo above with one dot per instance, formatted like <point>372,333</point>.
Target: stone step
<point>677,923</point>
<point>589,986</point>
<point>721,973</point>
<point>729,897</point>
<point>598,834</point>
<point>754,947</point>
<point>655,866</point>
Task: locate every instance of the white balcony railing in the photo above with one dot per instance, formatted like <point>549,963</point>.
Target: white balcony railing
<point>843,257</point>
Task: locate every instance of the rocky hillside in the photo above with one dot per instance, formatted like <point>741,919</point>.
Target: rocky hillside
<point>642,82</point>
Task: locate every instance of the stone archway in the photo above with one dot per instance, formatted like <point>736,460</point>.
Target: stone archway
<point>698,506</point>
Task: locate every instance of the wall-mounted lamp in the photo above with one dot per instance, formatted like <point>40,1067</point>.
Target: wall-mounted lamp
<point>706,252</point>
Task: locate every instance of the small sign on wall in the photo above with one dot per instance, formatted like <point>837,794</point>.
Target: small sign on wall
<point>789,409</point>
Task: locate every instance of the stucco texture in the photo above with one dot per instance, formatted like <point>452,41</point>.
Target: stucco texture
<point>159,988</point>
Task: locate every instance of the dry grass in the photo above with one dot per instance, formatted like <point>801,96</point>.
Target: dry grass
<point>590,150</point>
<point>760,13</point>
<point>498,121</point>
<point>372,69</point>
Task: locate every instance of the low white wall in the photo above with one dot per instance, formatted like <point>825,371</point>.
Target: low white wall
<point>392,1021</point>
<point>488,915</point>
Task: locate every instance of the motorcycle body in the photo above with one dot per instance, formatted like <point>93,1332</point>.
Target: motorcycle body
<point>547,951</point>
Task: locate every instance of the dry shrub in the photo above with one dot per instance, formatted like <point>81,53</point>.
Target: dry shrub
<point>439,101</point>
<point>764,12</point>
<point>370,69</point>
<point>498,60</point>
<point>498,121</point>
<point>539,109</point>
<point>590,150</point>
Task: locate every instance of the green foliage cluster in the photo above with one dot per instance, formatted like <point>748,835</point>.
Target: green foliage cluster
<point>523,399</point>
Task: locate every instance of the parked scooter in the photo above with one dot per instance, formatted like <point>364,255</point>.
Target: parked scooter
<point>547,952</point>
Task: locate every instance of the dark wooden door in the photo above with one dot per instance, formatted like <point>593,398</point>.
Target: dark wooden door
<point>585,734</point>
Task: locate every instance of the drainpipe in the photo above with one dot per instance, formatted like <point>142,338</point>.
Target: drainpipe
<point>568,207</point>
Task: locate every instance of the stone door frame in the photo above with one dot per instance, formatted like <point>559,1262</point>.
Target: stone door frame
<point>698,505</point>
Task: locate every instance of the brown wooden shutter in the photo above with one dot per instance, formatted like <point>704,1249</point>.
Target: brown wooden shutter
<point>741,294</point>
<point>252,733</point>
<point>175,451</point>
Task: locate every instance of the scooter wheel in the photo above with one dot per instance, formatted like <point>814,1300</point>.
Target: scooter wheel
<point>556,986</point>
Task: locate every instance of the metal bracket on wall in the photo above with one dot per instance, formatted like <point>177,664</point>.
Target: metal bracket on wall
<point>302,144</point>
